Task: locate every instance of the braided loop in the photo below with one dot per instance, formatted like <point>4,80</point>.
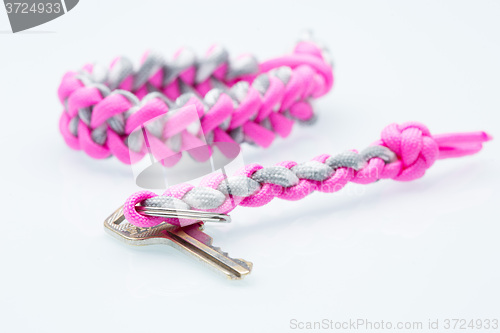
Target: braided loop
<point>236,100</point>
<point>404,153</point>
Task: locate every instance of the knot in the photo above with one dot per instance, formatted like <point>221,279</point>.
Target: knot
<point>414,147</point>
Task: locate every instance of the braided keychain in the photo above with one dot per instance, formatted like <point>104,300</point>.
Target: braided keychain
<point>124,111</point>
<point>237,100</point>
<point>403,153</point>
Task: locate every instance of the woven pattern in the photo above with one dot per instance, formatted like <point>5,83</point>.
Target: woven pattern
<point>404,153</point>
<point>237,100</point>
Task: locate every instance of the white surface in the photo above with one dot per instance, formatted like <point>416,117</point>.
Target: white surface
<point>387,251</point>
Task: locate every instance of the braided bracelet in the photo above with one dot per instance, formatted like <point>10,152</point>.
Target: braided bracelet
<point>237,100</point>
<point>403,153</point>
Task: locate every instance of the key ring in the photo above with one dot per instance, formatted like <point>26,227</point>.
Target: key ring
<point>165,212</point>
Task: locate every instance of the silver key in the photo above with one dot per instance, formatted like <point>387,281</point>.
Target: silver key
<point>189,239</point>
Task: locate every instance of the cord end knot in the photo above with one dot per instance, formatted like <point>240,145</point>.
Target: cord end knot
<point>417,150</point>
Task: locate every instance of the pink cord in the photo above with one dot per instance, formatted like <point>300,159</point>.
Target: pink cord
<point>411,145</point>
<point>93,103</point>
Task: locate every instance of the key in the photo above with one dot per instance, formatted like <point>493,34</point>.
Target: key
<point>189,239</point>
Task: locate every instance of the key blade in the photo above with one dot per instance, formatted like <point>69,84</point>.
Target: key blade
<point>198,234</point>
<point>190,239</point>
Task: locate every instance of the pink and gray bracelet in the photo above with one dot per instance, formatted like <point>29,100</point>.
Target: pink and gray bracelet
<point>237,100</point>
<point>403,153</point>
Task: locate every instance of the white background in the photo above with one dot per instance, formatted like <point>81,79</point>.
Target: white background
<point>388,251</point>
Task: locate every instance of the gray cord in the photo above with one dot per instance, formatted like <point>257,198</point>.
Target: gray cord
<point>242,186</point>
<point>108,80</point>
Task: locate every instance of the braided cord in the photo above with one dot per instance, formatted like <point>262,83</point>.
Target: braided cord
<point>237,100</point>
<point>404,153</point>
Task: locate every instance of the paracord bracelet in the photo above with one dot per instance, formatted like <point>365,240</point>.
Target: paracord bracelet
<point>404,153</point>
<point>236,100</point>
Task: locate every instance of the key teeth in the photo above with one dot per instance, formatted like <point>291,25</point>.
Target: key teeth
<point>244,263</point>
<point>218,249</point>
<point>239,261</point>
<point>247,264</point>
